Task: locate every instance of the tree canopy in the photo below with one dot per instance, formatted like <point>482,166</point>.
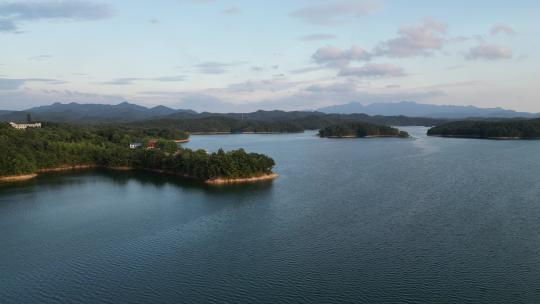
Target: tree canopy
<point>60,145</point>
<point>489,129</point>
<point>358,129</point>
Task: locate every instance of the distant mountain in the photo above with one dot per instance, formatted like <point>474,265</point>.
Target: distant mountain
<point>164,117</point>
<point>90,113</point>
<point>275,121</point>
<point>163,110</point>
<point>403,113</point>
<point>413,109</point>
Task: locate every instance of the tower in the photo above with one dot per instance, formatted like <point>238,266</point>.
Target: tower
<point>28,118</point>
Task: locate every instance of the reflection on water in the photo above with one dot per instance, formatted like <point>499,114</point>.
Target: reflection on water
<point>161,180</point>
<point>122,178</point>
<point>426,144</point>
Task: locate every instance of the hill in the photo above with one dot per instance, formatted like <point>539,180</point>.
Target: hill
<point>164,117</point>
<point>89,113</point>
<point>358,129</point>
<point>510,129</point>
<point>274,121</point>
<point>409,108</point>
<point>57,147</point>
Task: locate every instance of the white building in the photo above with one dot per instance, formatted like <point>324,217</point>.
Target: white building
<point>24,126</point>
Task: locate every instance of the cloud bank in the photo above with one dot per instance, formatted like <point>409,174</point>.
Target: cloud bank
<point>12,13</point>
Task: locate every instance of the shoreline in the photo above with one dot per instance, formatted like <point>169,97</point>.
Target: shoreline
<point>17,178</point>
<point>242,133</point>
<point>482,137</point>
<point>179,141</point>
<point>216,181</point>
<point>224,181</point>
<point>368,136</point>
<point>66,168</point>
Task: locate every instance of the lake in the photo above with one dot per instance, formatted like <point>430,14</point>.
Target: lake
<point>381,220</point>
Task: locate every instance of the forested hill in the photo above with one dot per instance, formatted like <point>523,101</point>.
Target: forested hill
<point>414,109</point>
<point>90,113</point>
<point>222,124</point>
<point>275,121</point>
<point>57,146</point>
<point>259,121</point>
<point>526,129</point>
<point>355,129</point>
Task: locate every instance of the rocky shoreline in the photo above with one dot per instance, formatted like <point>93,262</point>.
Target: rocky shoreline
<point>215,181</point>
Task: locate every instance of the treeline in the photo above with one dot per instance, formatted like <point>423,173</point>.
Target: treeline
<point>273,121</point>
<point>202,165</point>
<point>489,129</point>
<point>158,117</point>
<point>219,124</point>
<point>356,129</point>
<point>55,145</point>
<point>124,135</point>
<point>58,145</point>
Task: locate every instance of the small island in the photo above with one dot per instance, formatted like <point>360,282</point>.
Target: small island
<point>24,153</point>
<point>504,129</point>
<point>357,129</point>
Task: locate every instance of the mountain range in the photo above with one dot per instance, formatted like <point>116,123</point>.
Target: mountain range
<point>413,109</point>
<point>91,113</point>
<point>128,112</point>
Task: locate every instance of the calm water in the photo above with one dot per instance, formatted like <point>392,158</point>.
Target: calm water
<point>429,220</point>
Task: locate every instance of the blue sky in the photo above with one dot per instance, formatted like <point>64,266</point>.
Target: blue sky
<point>220,55</point>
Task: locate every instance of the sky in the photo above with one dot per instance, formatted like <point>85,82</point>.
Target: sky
<point>244,55</point>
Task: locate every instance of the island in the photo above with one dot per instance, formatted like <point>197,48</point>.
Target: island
<point>57,147</point>
<point>503,129</point>
<point>359,129</point>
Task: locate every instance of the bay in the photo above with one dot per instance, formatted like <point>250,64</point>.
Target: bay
<point>380,220</point>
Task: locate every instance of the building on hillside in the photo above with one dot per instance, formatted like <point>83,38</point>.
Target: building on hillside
<point>151,144</point>
<point>25,126</point>
<point>135,145</point>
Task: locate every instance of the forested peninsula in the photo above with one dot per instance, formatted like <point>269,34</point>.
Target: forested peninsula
<point>273,121</point>
<point>24,153</point>
<point>356,129</point>
<point>505,129</point>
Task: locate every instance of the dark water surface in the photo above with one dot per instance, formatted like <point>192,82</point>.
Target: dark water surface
<point>430,220</point>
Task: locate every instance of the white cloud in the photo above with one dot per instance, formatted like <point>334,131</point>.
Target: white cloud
<point>335,11</point>
<point>336,57</point>
<point>22,99</point>
<point>15,84</point>
<point>169,78</point>
<point>307,69</point>
<point>215,67</point>
<point>418,40</point>
<point>7,25</point>
<point>489,52</point>
<point>12,13</point>
<point>267,85</point>
<point>502,29</point>
<point>231,10</point>
<point>373,70</point>
<point>40,57</point>
<point>131,80</point>
<point>10,84</point>
<point>334,88</point>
